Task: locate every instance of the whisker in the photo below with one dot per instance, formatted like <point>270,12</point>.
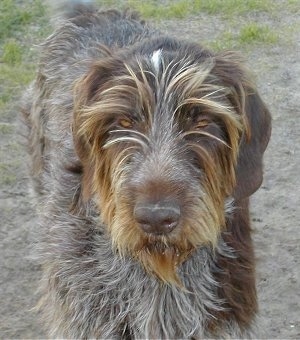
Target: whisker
<point>132,131</point>
<point>214,92</point>
<point>124,139</point>
<point>121,159</point>
<point>203,133</point>
<point>220,107</point>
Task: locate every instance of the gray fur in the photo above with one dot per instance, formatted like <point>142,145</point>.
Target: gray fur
<point>87,290</point>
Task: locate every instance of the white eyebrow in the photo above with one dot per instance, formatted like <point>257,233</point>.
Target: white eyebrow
<point>156,59</point>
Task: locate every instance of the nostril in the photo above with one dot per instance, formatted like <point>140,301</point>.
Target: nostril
<point>157,218</point>
<point>169,224</point>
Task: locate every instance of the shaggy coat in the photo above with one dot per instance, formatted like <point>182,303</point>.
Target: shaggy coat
<point>120,115</point>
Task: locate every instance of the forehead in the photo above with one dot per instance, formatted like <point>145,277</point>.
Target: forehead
<point>161,68</point>
<point>172,76</point>
<point>162,81</point>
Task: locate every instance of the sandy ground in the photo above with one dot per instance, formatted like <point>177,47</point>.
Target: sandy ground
<point>275,207</point>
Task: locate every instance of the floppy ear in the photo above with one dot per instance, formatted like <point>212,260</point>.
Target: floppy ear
<point>85,91</point>
<point>249,169</point>
<point>86,96</point>
<point>257,122</point>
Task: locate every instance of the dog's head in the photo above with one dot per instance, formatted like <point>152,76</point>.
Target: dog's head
<point>167,132</point>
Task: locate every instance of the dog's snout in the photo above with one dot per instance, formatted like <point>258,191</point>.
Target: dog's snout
<point>157,218</point>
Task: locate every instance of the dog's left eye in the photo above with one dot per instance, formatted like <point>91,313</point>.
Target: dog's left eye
<point>125,123</point>
<point>198,120</point>
<point>201,124</point>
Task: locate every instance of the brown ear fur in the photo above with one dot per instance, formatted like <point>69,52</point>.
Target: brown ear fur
<point>249,170</point>
<point>85,94</point>
<point>256,118</point>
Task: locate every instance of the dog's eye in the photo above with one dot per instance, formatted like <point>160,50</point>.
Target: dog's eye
<point>201,124</point>
<point>197,119</point>
<point>125,123</point>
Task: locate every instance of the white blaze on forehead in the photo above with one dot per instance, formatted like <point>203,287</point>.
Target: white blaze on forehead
<point>156,59</point>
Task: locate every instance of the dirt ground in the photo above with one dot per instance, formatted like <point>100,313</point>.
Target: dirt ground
<point>275,207</point>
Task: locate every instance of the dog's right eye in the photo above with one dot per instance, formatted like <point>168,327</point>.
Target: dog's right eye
<point>201,124</point>
<point>125,123</point>
<point>199,120</point>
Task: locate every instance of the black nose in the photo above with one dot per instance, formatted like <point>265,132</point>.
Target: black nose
<point>157,218</point>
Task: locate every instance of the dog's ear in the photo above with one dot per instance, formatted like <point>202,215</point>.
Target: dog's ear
<point>85,136</point>
<point>98,74</point>
<point>249,170</point>
<point>85,92</point>
<point>257,123</point>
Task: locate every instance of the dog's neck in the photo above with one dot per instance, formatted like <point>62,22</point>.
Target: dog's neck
<point>190,308</point>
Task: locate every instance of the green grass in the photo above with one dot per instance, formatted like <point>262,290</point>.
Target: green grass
<point>10,152</point>
<point>152,9</point>
<point>12,52</point>
<point>6,176</point>
<point>255,33</point>
<point>17,74</point>
<point>294,4</point>
<point>183,8</point>
<point>232,7</point>
<point>15,16</point>
<point>13,78</point>
<point>6,128</point>
<point>244,37</point>
<point>22,23</point>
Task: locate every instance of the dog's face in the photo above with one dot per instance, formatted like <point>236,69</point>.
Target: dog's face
<point>158,134</point>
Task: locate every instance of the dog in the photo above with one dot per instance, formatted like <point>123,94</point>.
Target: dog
<point>144,150</point>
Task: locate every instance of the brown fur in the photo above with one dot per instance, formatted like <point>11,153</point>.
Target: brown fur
<point>109,124</point>
<point>103,174</point>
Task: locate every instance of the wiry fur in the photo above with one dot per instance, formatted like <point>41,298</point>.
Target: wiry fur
<point>119,115</point>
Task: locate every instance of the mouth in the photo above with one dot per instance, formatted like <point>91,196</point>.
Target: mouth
<point>162,260</point>
<point>159,245</point>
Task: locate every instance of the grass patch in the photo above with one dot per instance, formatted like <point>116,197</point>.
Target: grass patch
<point>21,25</point>
<point>294,4</point>
<point>16,75</point>
<point>11,157</point>
<point>15,16</point>
<point>4,98</point>
<point>231,7</point>
<point>225,41</point>
<point>249,35</point>
<point>13,79</point>
<point>12,52</point>
<point>153,9</point>
<point>6,128</point>
<point>6,175</point>
<point>181,8</point>
<point>255,33</point>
